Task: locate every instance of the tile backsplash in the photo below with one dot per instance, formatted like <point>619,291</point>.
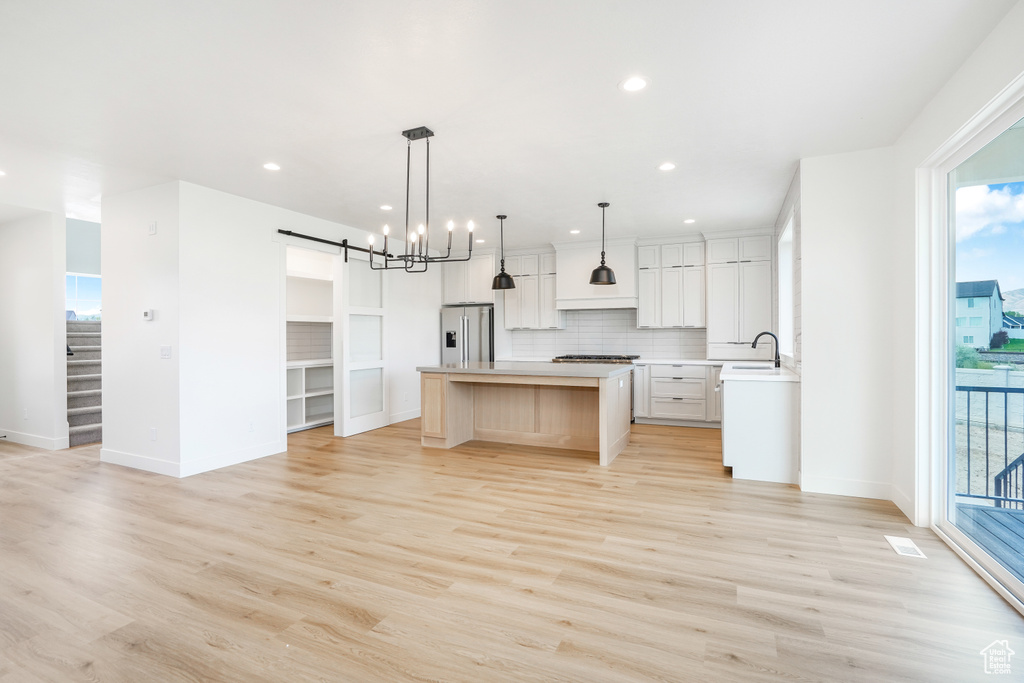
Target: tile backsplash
<point>309,341</point>
<point>606,332</point>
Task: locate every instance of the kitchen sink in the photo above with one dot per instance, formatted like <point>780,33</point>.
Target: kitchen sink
<point>753,367</point>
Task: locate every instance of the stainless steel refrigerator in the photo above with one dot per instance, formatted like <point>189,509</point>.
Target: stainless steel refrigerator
<point>467,333</point>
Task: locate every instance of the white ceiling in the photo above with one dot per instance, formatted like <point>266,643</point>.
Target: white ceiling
<point>105,96</point>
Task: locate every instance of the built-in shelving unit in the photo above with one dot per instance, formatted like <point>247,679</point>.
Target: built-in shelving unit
<point>310,394</point>
<point>310,382</point>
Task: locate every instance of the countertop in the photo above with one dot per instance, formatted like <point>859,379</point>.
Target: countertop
<point>638,361</point>
<point>765,372</point>
<point>530,368</point>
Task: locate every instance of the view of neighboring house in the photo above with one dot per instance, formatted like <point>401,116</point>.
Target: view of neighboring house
<point>979,312</point>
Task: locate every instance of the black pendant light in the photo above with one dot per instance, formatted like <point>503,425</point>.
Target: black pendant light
<point>602,275</point>
<point>503,280</point>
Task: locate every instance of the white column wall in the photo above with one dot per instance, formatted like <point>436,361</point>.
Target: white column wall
<point>231,352</point>
<point>33,360</point>
<point>140,271</point>
<point>414,323</point>
<point>847,337</point>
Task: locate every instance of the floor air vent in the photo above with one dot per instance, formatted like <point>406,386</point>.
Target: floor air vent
<point>904,546</point>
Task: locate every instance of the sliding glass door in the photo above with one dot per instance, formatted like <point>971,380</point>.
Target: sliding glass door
<point>985,459</point>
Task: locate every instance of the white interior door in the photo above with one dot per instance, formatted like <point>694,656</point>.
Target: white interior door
<point>361,401</point>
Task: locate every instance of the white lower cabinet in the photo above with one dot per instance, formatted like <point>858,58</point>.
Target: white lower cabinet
<point>641,391</point>
<point>714,393</point>
<point>681,392</point>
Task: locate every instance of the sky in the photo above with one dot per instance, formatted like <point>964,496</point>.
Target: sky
<point>990,234</point>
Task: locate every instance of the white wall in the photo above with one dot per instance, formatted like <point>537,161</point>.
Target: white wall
<point>83,247</point>
<point>33,361</point>
<point>847,338</point>
<point>231,270</point>
<point>215,274</point>
<point>414,326</point>
<point>141,390</point>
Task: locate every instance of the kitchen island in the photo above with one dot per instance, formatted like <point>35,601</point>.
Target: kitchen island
<point>557,405</point>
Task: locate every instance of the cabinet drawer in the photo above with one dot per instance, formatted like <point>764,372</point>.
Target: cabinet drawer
<point>682,371</point>
<point>678,388</point>
<point>677,408</point>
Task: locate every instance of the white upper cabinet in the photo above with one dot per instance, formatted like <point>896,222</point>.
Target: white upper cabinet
<point>672,296</point>
<point>647,257</point>
<point>469,282</point>
<point>649,298</point>
<point>739,296</point>
<point>671,255</point>
<point>693,254</point>
<point>670,281</point>
<point>693,297</point>
<point>550,317</point>
<point>547,264</point>
<point>733,249</point>
<point>723,251</point>
<point>531,305</point>
<point>723,302</point>
<point>755,248</point>
<point>755,299</point>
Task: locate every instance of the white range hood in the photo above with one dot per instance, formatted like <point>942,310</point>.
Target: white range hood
<point>576,260</point>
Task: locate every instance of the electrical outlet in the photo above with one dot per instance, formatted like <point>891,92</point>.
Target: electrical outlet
<point>152,228</point>
<point>405,397</point>
<point>25,413</point>
<point>252,426</point>
<point>152,433</point>
<point>165,352</point>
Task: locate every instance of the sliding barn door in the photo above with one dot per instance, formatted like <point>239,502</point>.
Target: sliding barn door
<point>359,298</point>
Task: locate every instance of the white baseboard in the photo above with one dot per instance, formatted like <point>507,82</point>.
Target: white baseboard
<point>216,462</point>
<point>405,415</point>
<point>36,441</point>
<point>190,467</point>
<point>676,423</point>
<point>140,462</point>
<point>846,487</point>
<point>906,506</point>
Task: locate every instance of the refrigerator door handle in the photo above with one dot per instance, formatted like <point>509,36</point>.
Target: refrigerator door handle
<point>464,321</point>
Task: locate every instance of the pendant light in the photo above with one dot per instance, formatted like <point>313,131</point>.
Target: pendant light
<point>503,280</point>
<point>602,275</point>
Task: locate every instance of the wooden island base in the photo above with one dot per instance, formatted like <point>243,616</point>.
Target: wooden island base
<point>582,413</point>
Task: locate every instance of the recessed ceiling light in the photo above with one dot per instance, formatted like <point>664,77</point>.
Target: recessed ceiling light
<point>480,241</point>
<point>667,166</point>
<point>2,173</point>
<point>633,83</point>
<point>385,207</point>
<point>690,220</point>
<point>574,232</point>
<point>271,166</point>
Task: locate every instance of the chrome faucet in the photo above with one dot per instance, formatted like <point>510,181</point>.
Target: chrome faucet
<point>754,345</point>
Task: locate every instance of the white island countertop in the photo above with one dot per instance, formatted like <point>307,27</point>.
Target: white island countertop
<point>530,369</point>
<point>755,371</point>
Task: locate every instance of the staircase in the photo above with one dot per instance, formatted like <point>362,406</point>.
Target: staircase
<point>85,398</point>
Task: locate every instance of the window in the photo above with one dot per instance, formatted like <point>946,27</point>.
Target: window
<point>961,322</point>
<point>786,318</point>
<point>83,296</point>
<point>983,506</point>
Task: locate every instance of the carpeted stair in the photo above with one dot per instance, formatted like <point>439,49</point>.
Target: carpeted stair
<point>85,404</point>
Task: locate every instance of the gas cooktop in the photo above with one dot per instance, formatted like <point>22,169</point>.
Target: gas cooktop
<point>621,359</point>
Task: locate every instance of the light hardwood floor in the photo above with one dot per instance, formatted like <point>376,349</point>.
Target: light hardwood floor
<point>374,559</point>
